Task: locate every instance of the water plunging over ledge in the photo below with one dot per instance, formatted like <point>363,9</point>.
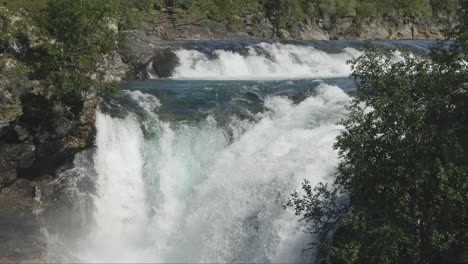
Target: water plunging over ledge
<point>196,167</point>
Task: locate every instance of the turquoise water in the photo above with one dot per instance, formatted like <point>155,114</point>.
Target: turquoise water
<point>196,167</point>
<point>195,99</point>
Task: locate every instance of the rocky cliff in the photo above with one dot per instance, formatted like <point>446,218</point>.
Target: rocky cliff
<point>37,136</point>
<point>390,26</point>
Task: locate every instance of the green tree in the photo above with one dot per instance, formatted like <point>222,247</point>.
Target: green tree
<point>401,189</point>
<point>69,38</point>
<point>76,34</point>
<point>284,13</point>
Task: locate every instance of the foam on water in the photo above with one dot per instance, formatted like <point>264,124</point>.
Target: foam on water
<point>120,213</point>
<point>202,191</point>
<point>189,193</point>
<point>264,61</point>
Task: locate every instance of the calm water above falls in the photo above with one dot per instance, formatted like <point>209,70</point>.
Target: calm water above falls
<point>195,168</point>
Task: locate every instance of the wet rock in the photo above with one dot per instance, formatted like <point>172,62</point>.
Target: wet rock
<point>37,137</point>
<point>289,94</point>
<point>112,69</point>
<point>64,127</point>
<point>114,109</point>
<point>164,63</point>
<point>286,91</point>
<point>7,176</point>
<point>84,136</point>
<point>144,45</point>
<point>21,240</point>
<point>13,156</point>
<point>36,143</point>
<point>27,158</point>
<point>22,133</point>
<point>23,185</point>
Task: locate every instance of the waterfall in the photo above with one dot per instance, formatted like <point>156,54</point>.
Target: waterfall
<point>197,167</point>
<point>264,61</point>
<point>189,192</point>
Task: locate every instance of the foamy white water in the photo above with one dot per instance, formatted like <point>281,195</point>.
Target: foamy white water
<point>264,61</point>
<point>189,194</point>
<point>166,186</point>
<point>120,214</point>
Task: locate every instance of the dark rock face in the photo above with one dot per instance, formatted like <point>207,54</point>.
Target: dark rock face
<point>13,156</point>
<point>143,45</point>
<point>20,236</point>
<point>37,136</point>
<point>66,204</point>
<point>164,63</point>
<point>45,136</point>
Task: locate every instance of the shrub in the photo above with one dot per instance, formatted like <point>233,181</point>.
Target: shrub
<point>400,192</point>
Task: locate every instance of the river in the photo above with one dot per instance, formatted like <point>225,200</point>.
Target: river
<point>196,167</point>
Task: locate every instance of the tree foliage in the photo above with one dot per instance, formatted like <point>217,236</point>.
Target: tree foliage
<point>70,38</point>
<point>401,189</point>
<point>81,33</point>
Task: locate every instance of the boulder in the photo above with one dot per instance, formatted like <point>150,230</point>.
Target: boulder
<point>27,158</point>
<point>164,63</point>
<point>13,156</point>
<point>112,68</point>
<point>21,132</point>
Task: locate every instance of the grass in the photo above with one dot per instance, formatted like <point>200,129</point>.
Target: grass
<point>25,4</point>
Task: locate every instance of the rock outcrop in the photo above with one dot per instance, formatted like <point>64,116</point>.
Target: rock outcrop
<point>390,26</point>
<point>112,69</point>
<point>37,136</point>
<point>163,63</point>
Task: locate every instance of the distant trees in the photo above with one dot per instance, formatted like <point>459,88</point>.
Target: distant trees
<point>401,189</point>
<point>282,13</point>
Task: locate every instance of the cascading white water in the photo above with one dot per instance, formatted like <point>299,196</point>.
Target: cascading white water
<point>120,213</point>
<point>171,187</point>
<point>275,61</point>
<point>187,193</point>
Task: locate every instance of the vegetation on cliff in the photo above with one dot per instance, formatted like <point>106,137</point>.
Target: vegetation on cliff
<point>281,14</point>
<point>61,42</point>
<point>400,191</point>
<point>288,13</point>
<point>49,52</point>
